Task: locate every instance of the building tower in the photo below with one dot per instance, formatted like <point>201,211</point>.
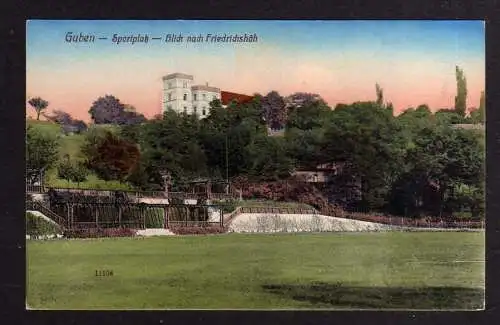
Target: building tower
<point>177,94</point>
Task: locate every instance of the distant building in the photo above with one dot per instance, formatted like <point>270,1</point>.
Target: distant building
<point>227,97</point>
<point>180,95</point>
<point>321,174</point>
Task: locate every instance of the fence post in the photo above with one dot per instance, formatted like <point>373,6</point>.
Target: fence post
<point>165,217</point>
<point>97,217</point>
<point>221,217</point>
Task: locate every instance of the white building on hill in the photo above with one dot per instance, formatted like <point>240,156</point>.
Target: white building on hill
<point>180,95</point>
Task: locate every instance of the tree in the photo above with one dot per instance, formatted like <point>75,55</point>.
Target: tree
<point>38,105</point>
<point>42,149</point>
<point>366,138</point>
<point>111,157</point>
<point>449,116</point>
<point>461,97</point>
<point>72,171</point>
<point>308,116</point>
<point>380,95</point>
<point>269,160</point>
<point>478,115</point>
<point>106,110</point>
<point>274,110</point>
<point>300,99</point>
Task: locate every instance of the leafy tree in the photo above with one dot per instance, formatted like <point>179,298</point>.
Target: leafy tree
<point>38,105</point>
<point>300,99</point>
<point>171,143</point>
<point>111,157</point>
<point>60,117</point>
<point>366,138</point>
<point>449,116</point>
<point>42,149</point>
<point>106,110</point>
<point>380,95</point>
<point>461,97</point>
<point>269,159</point>
<point>309,116</point>
<point>478,116</point>
<point>72,171</point>
<point>274,110</point>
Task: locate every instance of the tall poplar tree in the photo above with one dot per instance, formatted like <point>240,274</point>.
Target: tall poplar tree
<point>461,97</point>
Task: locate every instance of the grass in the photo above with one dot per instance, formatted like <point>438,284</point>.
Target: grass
<point>237,271</point>
<point>71,145</point>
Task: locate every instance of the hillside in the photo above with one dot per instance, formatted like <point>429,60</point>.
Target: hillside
<point>71,145</point>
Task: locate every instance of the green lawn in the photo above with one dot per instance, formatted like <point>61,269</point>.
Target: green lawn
<point>336,270</point>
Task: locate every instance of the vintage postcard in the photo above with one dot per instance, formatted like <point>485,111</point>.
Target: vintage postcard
<point>331,165</point>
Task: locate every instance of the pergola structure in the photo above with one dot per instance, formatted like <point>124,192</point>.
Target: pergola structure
<point>202,187</point>
<point>35,180</point>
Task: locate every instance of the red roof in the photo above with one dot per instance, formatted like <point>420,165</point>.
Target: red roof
<point>227,97</point>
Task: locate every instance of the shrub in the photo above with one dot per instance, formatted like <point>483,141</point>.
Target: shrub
<point>37,226</point>
<point>99,232</point>
<point>227,206</point>
<point>154,218</point>
<point>197,230</point>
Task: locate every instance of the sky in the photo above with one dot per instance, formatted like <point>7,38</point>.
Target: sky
<point>413,61</point>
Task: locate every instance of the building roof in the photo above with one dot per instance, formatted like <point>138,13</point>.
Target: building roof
<point>206,88</point>
<point>227,97</point>
<point>178,75</point>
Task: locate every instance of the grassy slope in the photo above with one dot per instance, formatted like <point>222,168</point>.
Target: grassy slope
<point>71,145</point>
<point>352,270</point>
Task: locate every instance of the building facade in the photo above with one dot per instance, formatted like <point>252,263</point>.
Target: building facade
<point>180,95</point>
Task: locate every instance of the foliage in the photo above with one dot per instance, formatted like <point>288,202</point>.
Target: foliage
<point>109,110</point>
<point>478,115</point>
<point>37,226</point>
<point>274,109</point>
<point>111,157</point>
<point>461,97</point>
<point>366,138</point>
<point>72,171</point>
<point>38,105</point>
<point>99,232</point>
<point>154,218</point>
<point>41,149</point>
<point>197,230</point>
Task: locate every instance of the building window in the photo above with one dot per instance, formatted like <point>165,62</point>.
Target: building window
<point>214,97</point>
<point>204,96</point>
<point>194,96</point>
<point>204,112</point>
<point>195,109</point>
<point>185,110</point>
<point>169,96</point>
<point>169,85</point>
<point>185,84</point>
<point>185,97</point>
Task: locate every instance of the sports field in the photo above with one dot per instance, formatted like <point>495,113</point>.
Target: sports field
<point>393,270</point>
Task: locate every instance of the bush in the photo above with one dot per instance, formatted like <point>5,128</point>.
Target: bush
<point>154,218</point>
<point>99,232</point>
<point>197,230</point>
<point>227,206</point>
<point>37,226</point>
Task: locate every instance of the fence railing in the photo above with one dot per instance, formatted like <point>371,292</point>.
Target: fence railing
<point>425,222</point>
<point>34,189</point>
<point>36,206</point>
<point>134,194</point>
<point>277,210</point>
